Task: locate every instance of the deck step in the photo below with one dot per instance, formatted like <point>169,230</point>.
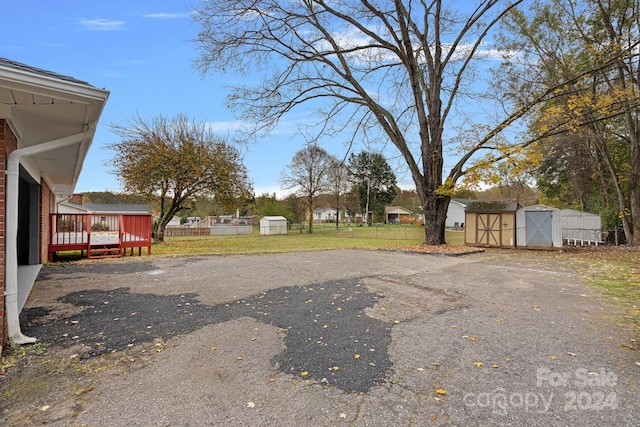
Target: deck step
<point>104,251</point>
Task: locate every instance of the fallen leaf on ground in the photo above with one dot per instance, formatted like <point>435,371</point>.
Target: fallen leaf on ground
<point>435,249</point>
<point>478,364</point>
<point>304,373</point>
<point>251,405</point>
<point>441,391</point>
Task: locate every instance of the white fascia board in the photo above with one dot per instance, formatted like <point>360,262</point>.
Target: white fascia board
<point>49,86</point>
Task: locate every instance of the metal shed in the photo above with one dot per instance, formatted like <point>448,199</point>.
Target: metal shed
<point>539,226</point>
<point>490,223</point>
<point>273,225</point>
<point>581,228</point>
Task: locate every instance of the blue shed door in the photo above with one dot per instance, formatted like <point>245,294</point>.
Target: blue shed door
<point>539,228</point>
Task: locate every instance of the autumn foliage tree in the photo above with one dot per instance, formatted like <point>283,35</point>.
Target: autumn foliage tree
<point>177,159</point>
<point>590,155</point>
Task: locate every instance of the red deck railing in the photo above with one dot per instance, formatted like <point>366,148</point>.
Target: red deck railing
<point>101,235</point>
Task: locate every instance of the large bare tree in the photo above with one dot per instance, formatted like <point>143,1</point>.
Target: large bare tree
<point>308,176</point>
<point>385,70</point>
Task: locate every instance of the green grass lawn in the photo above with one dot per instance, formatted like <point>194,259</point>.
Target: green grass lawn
<point>324,236</point>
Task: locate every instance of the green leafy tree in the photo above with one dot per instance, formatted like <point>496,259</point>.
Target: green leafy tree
<point>374,181</point>
<point>296,207</point>
<point>269,205</point>
<point>177,160</point>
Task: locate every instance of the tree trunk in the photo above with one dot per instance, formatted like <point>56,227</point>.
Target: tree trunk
<point>338,211</point>
<point>634,191</point>
<point>310,215</point>
<point>435,213</point>
<point>160,234</point>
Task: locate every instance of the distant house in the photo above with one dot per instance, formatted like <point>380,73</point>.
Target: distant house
<point>174,222</point>
<point>324,214</point>
<point>397,215</point>
<point>455,212</point>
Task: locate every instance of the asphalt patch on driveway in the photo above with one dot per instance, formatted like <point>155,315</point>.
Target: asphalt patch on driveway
<point>329,338</point>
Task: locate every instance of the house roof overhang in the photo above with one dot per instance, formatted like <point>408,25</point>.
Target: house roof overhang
<point>41,106</point>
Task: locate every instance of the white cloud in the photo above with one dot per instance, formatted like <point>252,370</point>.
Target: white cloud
<point>162,15</point>
<point>101,24</point>
<point>225,126</point>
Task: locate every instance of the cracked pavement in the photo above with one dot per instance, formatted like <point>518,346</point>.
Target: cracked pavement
<point>323,338</point>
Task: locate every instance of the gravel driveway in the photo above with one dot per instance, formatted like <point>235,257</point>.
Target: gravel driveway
<point>322,338</point>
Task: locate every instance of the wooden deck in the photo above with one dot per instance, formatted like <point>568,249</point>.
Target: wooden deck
<point>100,235</point>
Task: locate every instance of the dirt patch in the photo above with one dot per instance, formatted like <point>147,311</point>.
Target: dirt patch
<point>400,300</point>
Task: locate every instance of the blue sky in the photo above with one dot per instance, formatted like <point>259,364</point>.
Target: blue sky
<point>139,51</point>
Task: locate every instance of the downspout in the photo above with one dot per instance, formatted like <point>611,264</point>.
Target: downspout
<point>11,226</point>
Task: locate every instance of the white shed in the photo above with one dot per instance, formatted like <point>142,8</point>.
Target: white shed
<point>539,226</point>
<point>273,225</point>
<point>581,228</point>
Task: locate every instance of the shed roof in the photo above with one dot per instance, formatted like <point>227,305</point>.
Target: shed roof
<point>575,212</point>
<point>492,206</point>
<point>397,210</point>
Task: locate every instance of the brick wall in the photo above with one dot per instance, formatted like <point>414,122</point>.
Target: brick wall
<point>47,206</point>
<point>8,143</point>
